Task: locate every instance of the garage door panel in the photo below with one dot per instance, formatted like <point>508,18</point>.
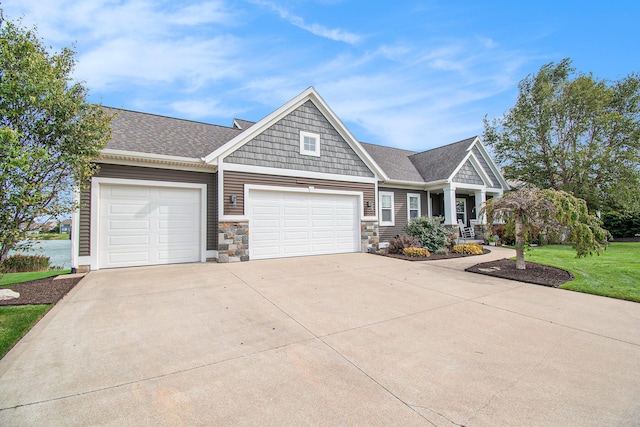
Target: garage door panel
<point>128,240</point>
<point>128,192</point>
<point>176,238</point>
<point>267,210</point>
<point>115,225</point>
<point>127,259</point>
<point>180,210</point>
<point>294,224</point>
<point>266,237</point>
<point>266,223</point>
<point>173,255</point>
<point>161,226</point>
<point>127,209</point>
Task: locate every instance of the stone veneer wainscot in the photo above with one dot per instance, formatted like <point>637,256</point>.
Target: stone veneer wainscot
<point>369,236</point>
<point>233,241</point>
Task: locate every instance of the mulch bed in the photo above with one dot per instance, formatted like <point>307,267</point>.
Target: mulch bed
<point>625,239</point>
<point>533,273</point>
<point>42,291</point>
<point>433,257</point>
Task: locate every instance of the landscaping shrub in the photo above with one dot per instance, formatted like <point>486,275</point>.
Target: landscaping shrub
<point>468,249</point>
<point>25,263</point>
<point>416,252</point>
<point>431,232</point>
<point>505,232</point>
<point>397,244</point>
<point>622,225</point>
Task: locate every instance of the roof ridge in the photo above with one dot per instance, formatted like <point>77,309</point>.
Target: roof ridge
<point>388,147</point>
<point>471,138</point>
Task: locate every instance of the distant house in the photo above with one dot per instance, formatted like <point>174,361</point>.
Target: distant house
<point>294,183</point>
<point>65,227</point>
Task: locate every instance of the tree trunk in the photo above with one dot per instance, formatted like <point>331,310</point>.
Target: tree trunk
<point>520,265</point>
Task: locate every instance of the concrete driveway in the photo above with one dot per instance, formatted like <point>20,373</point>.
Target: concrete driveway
<point>330,340</point>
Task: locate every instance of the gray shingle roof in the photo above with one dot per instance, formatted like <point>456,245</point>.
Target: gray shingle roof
<point>244,124</point>
<point>439,163</point>
<point>154,134</point>
<point>432,165</point>
<point>394,162</point>
<point>150,133</point>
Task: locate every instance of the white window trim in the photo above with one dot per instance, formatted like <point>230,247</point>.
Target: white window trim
<point>315,136</point>
<point>393,216</point>
<point>409,196</point>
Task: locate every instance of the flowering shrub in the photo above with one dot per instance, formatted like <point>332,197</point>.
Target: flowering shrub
<point>431,232</point>
<point>416,252</point>
<point>468,249</point>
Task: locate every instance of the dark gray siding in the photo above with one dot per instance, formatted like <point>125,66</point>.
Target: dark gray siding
<point>152,174</point>
<point>400,212</point>
<point>468,175</point>
<point>234,184</point>
<point>485,165</point>
<point>279,146</point>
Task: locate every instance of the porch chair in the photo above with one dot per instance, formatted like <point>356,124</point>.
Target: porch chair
<point>466,232</point>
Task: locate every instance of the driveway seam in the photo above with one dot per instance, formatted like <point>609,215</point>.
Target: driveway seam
<point>155,377</point>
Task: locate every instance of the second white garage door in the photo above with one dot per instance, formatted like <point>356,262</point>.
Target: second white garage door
<point>287,224</point>
<point>147,225</point>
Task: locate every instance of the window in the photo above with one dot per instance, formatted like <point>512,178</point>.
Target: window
<point>413,205</point>
<point>386,208</point>
<point>461,210</point>
<point>309,144</point>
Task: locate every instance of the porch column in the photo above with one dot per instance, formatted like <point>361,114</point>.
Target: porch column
<point>429,205</point>
<point>481,197</point>
<point>450,217</point>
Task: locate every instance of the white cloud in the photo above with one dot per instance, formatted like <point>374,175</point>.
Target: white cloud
<point>201,61</point>
<point>201,108</point>
<point>335,34</point>
<point>128,61</point>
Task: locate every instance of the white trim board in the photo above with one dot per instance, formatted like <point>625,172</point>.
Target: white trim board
<point>235,167</point>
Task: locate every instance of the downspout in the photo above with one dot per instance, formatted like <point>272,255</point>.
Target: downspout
<point>75,230</point>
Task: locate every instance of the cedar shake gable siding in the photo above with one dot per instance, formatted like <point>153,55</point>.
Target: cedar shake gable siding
<point>468,175</point>
<point>279,146</point>
<point>150,133</point>
<point>485,165</point>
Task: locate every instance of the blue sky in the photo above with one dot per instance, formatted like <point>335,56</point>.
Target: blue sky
<point>409,74</point>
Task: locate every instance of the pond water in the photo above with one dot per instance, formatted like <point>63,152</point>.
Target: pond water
<point>58,251</point>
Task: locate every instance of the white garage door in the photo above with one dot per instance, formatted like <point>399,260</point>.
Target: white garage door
<point>286,224</point>
<point>145,225</point>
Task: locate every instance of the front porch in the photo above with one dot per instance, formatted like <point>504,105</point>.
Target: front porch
<point>462,205</point>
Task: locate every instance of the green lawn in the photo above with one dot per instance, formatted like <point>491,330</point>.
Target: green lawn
<point>49,236</point>
<point>9,279</point>
<point>15,321</point>
<point>614,273</point>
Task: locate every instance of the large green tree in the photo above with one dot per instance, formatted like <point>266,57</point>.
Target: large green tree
<point>570,131</point>
<point>49,133</point>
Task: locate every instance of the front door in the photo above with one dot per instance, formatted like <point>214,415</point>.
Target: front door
<point>461,210</point>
